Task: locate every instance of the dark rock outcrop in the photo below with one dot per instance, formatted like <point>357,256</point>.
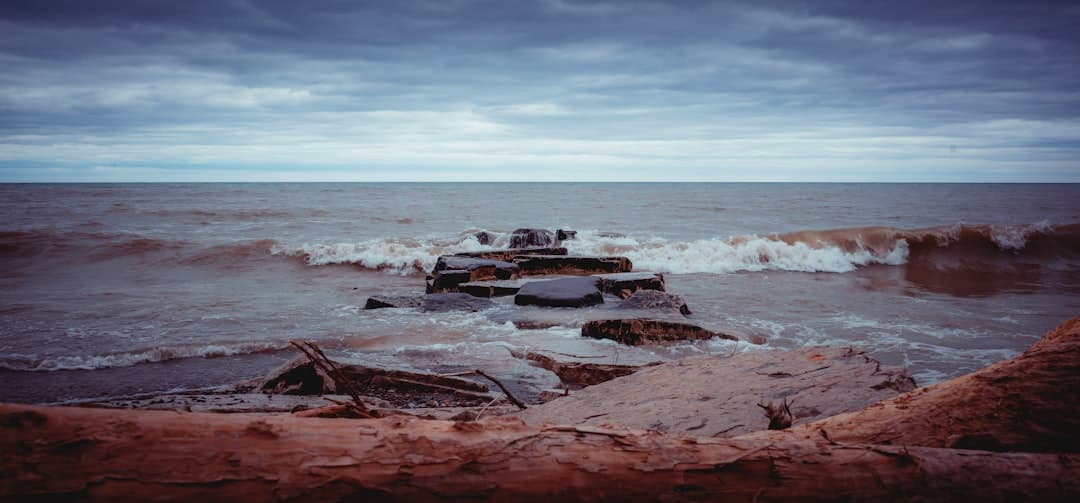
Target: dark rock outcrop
<point>509,254</point>
<point>532,238</point>
<point>483,237</point>
<point>533,265</point>
<point>381,301</point>
<point>480,268</point>
<point>624,284</point>
<point>454,301</point>
<point>565,292</point>
<point>451,271</point>
<point>633,332</point>
<point>655,299</point>
<point>565,235</point>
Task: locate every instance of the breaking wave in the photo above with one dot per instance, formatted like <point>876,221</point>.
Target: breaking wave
<point>127,359</point>
<point>836,250</point>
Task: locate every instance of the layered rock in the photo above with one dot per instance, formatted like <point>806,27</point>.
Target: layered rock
<point>715,396</point>
<point>488,289</point>
<point>570,265</point>
<point>509,254</point>
<point>565,292</point>
<point>452,271</point>
<point>633,332</point>
<point>624,284</point>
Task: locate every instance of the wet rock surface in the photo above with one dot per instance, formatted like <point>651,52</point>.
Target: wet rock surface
<point>393,301</point>
<point>576,371</point>
<point>488,289</point>
<point>455,301</point>
<point>571,265</point>
<point>634,332</point>
<point>532,238</point>
<point>655,299</point>
<point>715,396</point>
<point>507,255</point>
<point>565,292</point>
<point>624,284</point>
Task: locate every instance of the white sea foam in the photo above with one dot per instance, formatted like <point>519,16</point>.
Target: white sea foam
<point>127,359</point>
<point>394,255</point>
<point>750,253</point>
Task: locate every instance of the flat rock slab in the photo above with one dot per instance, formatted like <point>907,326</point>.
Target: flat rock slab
<point>571,265</point>
<point>715,396</point>
<point>565,292</point>
<point>634,332</point>
<point>624,284</point>
<point>507,255</point>
<point>488,289</point>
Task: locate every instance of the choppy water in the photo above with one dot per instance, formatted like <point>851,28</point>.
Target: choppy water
<point>109,290</point>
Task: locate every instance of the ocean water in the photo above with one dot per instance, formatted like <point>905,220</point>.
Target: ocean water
<point>114,290</point>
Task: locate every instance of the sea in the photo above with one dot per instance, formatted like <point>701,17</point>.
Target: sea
<point>116,290</point>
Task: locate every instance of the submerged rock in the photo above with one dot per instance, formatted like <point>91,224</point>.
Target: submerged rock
<point>393,301</point>
<point>715,396</point>
<point>579,266</point>
<point>455,301</point>
<point>565,292</point>
<point>565,235</point>
<point>633,332</point>
<point>532,238</point>
<point>655,299</point>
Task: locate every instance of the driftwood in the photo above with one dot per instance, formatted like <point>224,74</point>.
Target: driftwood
<point>94,454</point>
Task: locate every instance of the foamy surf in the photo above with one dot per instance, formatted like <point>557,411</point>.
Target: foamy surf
<point>127,359</point>
<point>833,251</point>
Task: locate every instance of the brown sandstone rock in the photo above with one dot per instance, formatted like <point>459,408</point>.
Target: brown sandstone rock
<point>571,265</point>
<point>631,282</point>
<point>714,396</point>
<point>633,332</point>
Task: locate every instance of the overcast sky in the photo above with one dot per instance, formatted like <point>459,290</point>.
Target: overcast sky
<point>440,90</point>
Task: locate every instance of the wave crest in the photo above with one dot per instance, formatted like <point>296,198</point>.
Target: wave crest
<point>127,359</point>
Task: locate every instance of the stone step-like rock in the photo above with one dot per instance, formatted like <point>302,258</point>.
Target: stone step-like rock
<point>489,289</point>
<point>508,255</point>
<point>624,284</point>
<point>564,292</point>
<point>633,332</point>
<point>451,271</point>
<point>532,265</point>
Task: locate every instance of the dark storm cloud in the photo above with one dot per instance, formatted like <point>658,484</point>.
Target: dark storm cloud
<point>495,89</point>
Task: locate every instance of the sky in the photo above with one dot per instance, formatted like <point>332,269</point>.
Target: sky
<point>544,90</point>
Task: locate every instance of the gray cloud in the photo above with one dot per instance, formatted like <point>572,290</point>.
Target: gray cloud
<point>560,89</point>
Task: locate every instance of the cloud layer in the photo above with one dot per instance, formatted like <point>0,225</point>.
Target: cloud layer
<point>433,90</point>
